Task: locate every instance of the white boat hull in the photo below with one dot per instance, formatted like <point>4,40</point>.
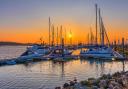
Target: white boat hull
<point>105,53</point>
<point>109,56</point>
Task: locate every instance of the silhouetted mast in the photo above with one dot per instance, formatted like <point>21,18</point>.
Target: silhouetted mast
<point>60,34</point>
<point>88,39</point>
<point>65,35</point>
<point>52,35</point>
<point>100,26</point>
<point>96,22</point>
<point>91,37</point>
<point>49,31</point>
<point>57,37</point>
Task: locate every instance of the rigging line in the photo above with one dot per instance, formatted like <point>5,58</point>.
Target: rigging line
<point>105,33</point>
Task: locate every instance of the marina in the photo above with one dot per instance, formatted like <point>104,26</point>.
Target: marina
<point>50,74</point>
<point>63,45</point>
<point>60,51</point>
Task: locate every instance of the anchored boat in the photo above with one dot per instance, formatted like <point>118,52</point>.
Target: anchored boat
<point>35,51</point>
<point>101,50</point>
<point>59,52</point>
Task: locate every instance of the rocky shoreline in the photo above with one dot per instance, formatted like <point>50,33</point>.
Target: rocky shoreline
<point>118,80</point>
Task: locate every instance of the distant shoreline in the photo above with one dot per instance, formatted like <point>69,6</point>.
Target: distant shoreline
<point>14,44</point>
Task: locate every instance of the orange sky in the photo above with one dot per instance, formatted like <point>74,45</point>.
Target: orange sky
<point>79,33</point>
<point>27,22</point>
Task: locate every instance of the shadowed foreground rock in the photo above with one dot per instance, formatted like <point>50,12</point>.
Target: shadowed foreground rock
<point>118,80</point>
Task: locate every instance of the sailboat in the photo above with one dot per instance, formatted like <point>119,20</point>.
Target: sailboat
<point>101,50</point>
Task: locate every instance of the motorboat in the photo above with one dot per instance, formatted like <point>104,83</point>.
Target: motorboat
<point>35,51</point>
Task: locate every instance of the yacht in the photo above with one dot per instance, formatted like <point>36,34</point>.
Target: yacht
<point>35,51</point>
<point>101,52</point>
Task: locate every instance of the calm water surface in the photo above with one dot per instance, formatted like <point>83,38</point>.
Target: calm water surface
<point>48,74</point>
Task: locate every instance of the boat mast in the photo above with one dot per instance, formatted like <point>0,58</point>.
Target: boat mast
<point>96,23</point>
<point>57,36</point>
<point>65,36</point>
<point>88,39</point>
<point>91,36</point>
<point>49,31</point>
<point>100,27</point>
<point>52,35</point>
<point>60,34</point>
<point>62,46</point>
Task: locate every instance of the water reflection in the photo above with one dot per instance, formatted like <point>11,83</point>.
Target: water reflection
<point>48,74</point>
<point>103,64</point>
<point>61,67</point>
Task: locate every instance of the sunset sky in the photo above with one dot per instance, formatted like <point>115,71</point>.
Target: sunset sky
<point>27,20</point>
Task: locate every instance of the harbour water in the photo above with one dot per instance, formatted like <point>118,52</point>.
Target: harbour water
<point>49,74</point>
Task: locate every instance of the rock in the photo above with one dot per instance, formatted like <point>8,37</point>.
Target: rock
<point>66,85</point>
<point>118,80</point>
